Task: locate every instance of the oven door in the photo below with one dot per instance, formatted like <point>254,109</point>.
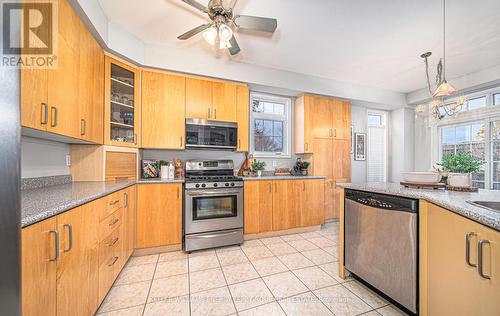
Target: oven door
<point>213,209</point>
<point>221,136</point>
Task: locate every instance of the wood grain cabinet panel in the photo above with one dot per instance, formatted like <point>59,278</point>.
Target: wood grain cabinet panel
<point>242,116</point>
<point>78,265</point>
<point>159,215</point>
<point>39,268</point>
<point>198,98</point>
<point>313,207</point>
<point>322,116</point>
<point>224,101</point>
<point>330,210</point>
<point>258,204</point>
<point>163,110</point>
<point>131,213</point>
<point>287,204</point>
<point>455,287</point>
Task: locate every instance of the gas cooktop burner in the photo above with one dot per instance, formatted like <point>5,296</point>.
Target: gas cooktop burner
<point>211,178</point>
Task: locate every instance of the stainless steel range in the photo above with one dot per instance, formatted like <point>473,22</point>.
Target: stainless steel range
<point>213,208</point>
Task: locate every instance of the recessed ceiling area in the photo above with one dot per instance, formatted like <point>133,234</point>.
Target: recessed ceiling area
<point>368,43</point>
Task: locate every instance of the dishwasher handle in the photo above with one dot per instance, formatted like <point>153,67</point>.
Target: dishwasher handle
<point>382,201</point>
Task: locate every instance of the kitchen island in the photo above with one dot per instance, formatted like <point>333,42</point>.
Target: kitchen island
<point>458,248</point>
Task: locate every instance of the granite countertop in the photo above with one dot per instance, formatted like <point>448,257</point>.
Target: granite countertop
<point>283,178</point>
<point>451,200</point>
<point>41,203</point>
<point>159,180</point>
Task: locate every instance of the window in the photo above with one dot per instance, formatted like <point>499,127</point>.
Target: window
<point>376,148</point>
<point>495,154</point>
<point>496,98</point>
<point>466,138</point>
<point>476,103</point>
<point>269,125</point>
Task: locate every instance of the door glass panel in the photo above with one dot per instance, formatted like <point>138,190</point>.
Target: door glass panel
<point>214,207</point>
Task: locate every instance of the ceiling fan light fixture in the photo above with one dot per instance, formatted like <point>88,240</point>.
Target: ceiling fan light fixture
<point>210,35</point>
<point>444,90</point>
<point>224,44</point>
<point>225,32</point>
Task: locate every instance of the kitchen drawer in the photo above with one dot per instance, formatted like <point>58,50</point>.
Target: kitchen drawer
<point>109,269</point>
<point>108,246</point>
<point>110,223</point>
<point>111,203</point>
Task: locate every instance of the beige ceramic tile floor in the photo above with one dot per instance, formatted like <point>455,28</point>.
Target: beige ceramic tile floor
<point>287,275</point>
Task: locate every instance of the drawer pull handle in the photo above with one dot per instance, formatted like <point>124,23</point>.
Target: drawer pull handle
<point>56,235</point>
<point>467,248</point>
<point>54,116</point>
<point>113,263</point>
<point>480,259</point>
<point>114,202</point>
<point>111,244</point>
<point>70,237</point>
<point>45,114</point>
<point>113,222</point>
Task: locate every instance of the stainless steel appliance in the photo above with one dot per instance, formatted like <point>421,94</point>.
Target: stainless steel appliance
<point>213,208</point>
<point>203,134</point>
<point>381,244</point>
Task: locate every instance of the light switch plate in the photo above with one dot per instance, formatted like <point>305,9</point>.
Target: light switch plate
<point>68,160</point>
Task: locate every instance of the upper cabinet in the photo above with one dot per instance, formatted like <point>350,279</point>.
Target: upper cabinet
<point>163,110</point>
<point>212,100</point>
<point>122,104</point>
<point>59,100</point>
<point>242,116</point>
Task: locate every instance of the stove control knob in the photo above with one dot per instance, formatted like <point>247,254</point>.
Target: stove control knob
<point>227,184</point>
<point>232,184</point>
<point>197,185</point>
<point>203,185</point>
<point>215,185</point>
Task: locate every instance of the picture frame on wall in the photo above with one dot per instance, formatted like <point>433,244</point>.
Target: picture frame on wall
<point>352,139</point>
<point>360,146</point>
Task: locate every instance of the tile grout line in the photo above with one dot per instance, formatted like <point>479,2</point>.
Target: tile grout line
<point>189,284</point>
<point>225,280</point>
<point>150,286</point>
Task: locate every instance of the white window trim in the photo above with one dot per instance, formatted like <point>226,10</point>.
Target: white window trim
<point>287,124</point>
<point>385,126</point>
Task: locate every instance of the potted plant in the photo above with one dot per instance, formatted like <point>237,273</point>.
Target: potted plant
<point>460,167</point>
<point>300,167</point>
<point>163,165</point>
<point>258,166</point>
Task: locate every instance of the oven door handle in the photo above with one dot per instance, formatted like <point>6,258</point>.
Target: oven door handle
<point>215,235</point>
<point>213,192</point>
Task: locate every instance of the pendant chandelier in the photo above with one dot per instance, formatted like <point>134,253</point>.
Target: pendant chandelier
<point>437,106</point>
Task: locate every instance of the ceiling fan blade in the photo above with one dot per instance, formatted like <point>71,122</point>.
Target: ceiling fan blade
<point>235,48</point>
<point>256,23</point>
<point>196,5</point>
<point>194,31</point>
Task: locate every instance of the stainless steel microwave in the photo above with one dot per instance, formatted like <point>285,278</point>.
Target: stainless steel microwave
<point>211,134</point>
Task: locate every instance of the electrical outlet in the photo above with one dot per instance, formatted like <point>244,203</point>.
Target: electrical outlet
<point>275,163</point>
<point>68,160</point>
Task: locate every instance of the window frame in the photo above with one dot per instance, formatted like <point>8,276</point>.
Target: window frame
<point>285,118</point>
<point>385,126</point>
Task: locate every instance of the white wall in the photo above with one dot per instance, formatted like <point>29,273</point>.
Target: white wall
<point>40,158</point>
<point>359,121</point>
<point>422,144</point>
<point>401,152</point>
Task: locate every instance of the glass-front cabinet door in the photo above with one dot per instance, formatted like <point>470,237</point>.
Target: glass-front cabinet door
<point>122,104</point>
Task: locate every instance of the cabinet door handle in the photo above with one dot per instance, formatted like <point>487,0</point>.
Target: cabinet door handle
<point>275,187</point>
<point>239,143</point>
<point>335,133</point>
<point>303,186</point>
<point>208,112</point>
<point>126,199</point>
<point>178,193</point>
<point>113,202</point>
<point>181,142</point>
<point>45,114</point>
<point>111,244</point>
<point>270,187</point>
<point>215,113</point>
<point>114,261</point>
<point>480,258</point>
<point>53,111</point>
<point>70,237</point>
<point>331,133</point>
<point>83,128</point>
<point>113,222</point>
<point>56,238</point>
<point>467,248</point>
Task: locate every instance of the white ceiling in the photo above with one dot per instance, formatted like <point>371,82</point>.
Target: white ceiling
<point>369,43</point>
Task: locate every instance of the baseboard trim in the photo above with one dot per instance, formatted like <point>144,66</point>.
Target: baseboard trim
<point>156,250</point>
<point>290,231</point>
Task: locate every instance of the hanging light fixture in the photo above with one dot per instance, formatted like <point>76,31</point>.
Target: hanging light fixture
<point>437,106</point>
<point>220,31</point>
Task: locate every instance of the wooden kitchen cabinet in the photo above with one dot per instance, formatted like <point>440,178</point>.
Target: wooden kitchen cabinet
<point>159,215</point>
<point>39,268</point>
<point>287,204</point>
<point>78,264</point>
<point>303,134</point>
<point>224,101</point>
<point>163,110</point>
<point>323,158</point>
<point>313,206</point>
<point>450,282</point>
<point>258,205</point>
<point>66,100</point>
<point>283,204</point>
<point>322,115</point>
<point>131,213</point>
<point>198,98</point>
<point>330,210</point>
<point>242,116</point>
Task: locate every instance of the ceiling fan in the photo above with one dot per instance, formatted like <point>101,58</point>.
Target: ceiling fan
<point>220,30</point>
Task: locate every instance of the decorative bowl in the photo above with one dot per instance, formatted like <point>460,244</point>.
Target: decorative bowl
<point>421,177</point>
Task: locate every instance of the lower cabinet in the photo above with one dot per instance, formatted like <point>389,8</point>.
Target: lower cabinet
<point>283,204</point>
<point>70,261</point>
<point>459,280</point>
<point>159,215</point>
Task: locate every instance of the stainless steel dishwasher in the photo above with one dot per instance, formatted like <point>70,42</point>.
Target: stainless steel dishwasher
<point>381,243</point>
